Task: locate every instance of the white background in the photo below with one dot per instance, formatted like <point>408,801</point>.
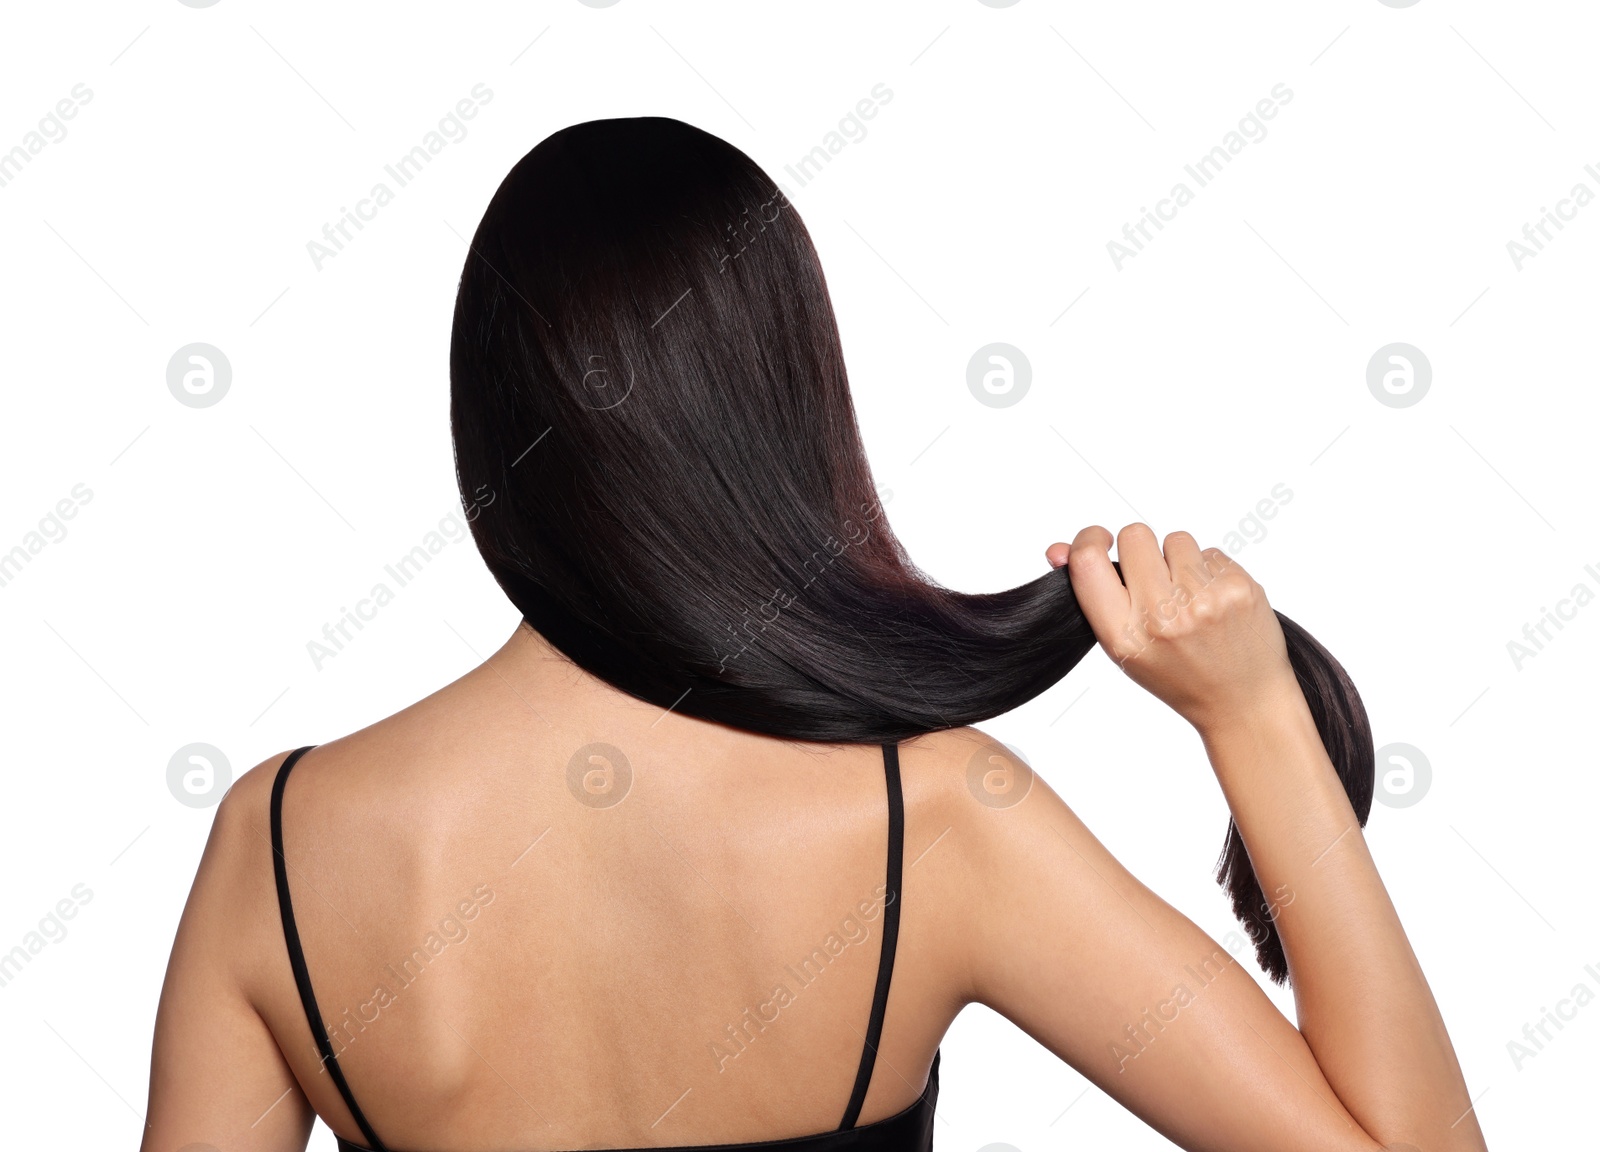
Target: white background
<point>1227,357</point>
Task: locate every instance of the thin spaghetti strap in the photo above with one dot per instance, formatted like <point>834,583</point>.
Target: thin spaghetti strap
<point>891,933</point>
<point>297,958</point>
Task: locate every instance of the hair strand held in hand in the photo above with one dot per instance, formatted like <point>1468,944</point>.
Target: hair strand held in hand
<point>645,363</point>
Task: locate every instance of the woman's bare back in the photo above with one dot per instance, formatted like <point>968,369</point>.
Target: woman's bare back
<point>517,943</point>
<point>539,913</point>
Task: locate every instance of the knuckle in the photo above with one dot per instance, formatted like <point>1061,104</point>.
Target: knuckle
<point>1231,595</point>
<point>1214,564</point>
<point>1180,628</point>
<point>1094,536</point>
<point>1237,592</point>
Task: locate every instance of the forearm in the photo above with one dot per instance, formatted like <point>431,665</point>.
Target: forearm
<point>1364,1006</point>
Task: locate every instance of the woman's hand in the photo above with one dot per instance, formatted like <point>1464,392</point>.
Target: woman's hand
<point>1191,626</point>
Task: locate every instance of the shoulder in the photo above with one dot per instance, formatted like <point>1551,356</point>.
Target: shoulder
<point>241,828</point>
<point>231,909</point>
<point>972,780</point>
<point>979,820</point>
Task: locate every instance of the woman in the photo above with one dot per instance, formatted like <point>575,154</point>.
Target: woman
<point>707,853</point>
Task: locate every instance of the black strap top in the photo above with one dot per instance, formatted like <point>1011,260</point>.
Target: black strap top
<point>910,1130</point>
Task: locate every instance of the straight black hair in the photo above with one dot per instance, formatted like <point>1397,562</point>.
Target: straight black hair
<point>647,381</point>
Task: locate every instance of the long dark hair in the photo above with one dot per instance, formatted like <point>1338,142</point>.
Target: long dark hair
<point>647,383</point>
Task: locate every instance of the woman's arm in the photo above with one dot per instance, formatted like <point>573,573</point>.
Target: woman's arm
<point>1086,959</point>
<point>1364,1006</point>
<point>217,1078</point>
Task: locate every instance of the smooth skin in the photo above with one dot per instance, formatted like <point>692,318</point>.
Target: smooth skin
<point>585,1003</point>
